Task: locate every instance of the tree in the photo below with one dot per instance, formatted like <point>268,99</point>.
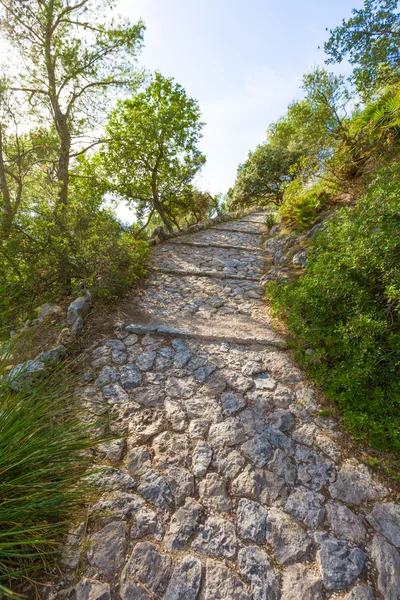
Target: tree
<point>263,176</point>
<point>152,155</point>
<point>371,41</point>
<point>71,54</point>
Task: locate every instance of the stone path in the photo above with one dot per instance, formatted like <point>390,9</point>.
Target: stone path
<point>224,483</point>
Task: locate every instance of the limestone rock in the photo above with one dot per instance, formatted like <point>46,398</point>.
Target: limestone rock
<point>213,494</point>
<point>149,567</point>
<point>180,482</point>
<point>340,565</point>
<point>360,592</point>
<point>354,484</point>
<point>385,518</point>
<point>217,538</point>
<point>299,582</point>
<point>201,458</point>
<point>185,580</point>
<point>107,548</point>
<point>387,561</point>
<point>307,506</point>
<point>251,520</point>
<point>183,525</point>
<point>344,523</point>
<point>286,537</point>
<point>154,488</point>
<point>258,571</point>
<point>90,589</point>
<point>222,584</point>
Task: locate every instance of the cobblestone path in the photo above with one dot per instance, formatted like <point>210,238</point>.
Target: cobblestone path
<point>225,483</point>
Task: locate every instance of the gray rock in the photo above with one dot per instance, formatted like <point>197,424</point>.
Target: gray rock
<point>237,381</point>
<point>344,523</point>
<point>282,419</point>
<point>264,382</point>
<point>154,488</point>
<point>24,374</point>
<point>138,461</point>
<point>180,388</point>
<point>217,538</point>
<point>300,258</point>
<point>201,458</point>
<point>340,565</point>
<point>228,433</point>
<point>79,308</point>
<point>314,469</point>
<point>183,525</point>
<point>146,360</point>
<point>181,358</point>
<point>282,465</point>
<point>131,377</point>
<point>232,402</point>
<point>278,439</point>
<point>49,310</point>
<point>251,521</point>
<point>198,429</point>
<point>180,482</point>
<point>107,375</point>
<point>150,397</point>
<point>273,489</point>
<point>185,580</point>
<point>354,484</point>
<point>170,449</point>
<point>117,505</point>
<point>300,583</point>
<point>107,548</point>
<point>72,548</point>
<point>114,393</point>
<point>131,340</point>
<point>306,506</point>
<point>90,589</point>
<point>141,329</point>
<point>54,355</point>
<point>305,434</point>
<point>387,561</point>
<point>385,518</point>
<point>258,450</point>
<point>150,568</point>
<point>257,569</point>
<point>175,415</point>
<point>222,584</point>
<point>145,523</point>
<point>360,592</point>
<point>203,408</point>
<point>213,494</point>
<point>112,451</point>
<point>287,538</point>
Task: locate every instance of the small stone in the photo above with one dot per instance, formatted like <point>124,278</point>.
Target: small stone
<point>131,377</point>
<point>147,566</point>
<point>114,393</point>
<point>214,385</point>
<point>201,458</point>
<point>149,397</point>
<point>282,465</point>
<point>355,485</point>
<point>198,429</point>
<point>306,506</point>
<point>185,580</point>
<point>180,482</point>
<point>314,468</point>
<point>112,451</point>
<point>305,434</point>
<point>251,520</point>
<point>78,308</point>
<point>340,565</point>
<point>213,493</point>
<point>287,538</point>
<point>107,375</point>
<point>264,382</point>
<point>387,561</point>
<point>232,402</point>
<point>217,538</point>
<point>222,584</point>
<point>300,583</point>
<point>273,489</point>
<point>107,548</point>
<point>282,419</point>
<point>248,483</point>
<point>144,425</point>
<point>229,463</point>
<point>170,449</point>
<point>360,592</point>
<point>49,310</point>
<point>131,340</point>
<point>146,360</point>
<point>180,388</point>
<point>117,505</point>
<point>141,329</point>
<point>145,523</point>
<point>203,408</point>
<point>257,569</point>
<point>181,358</point>
<point>258,450</point>
<point>90,589</point>
<point>251,368</point>
<point>183,525</point>
<point>138,461</point>
<point>385,518</point>
<point>154,488</point>
<point>175,415</point>
<point>237,381</point>
<point>344,523</point>
<point>228,433</point>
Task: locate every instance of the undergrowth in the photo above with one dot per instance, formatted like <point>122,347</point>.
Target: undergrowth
<point>43,462</point>
<point>346,309</point>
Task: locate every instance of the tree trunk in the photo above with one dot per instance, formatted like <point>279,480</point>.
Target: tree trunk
<point>8,213</point>
<point>158,204</point>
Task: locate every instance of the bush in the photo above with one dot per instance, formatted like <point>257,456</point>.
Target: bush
<point>346,307</point>
<point>301,205</point>
<point>271,219</point>
<point>42,464</point>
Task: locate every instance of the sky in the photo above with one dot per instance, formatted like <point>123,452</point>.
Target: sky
<point>243,61</point>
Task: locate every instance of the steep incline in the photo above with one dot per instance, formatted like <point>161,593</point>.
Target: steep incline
<point>224,482</point>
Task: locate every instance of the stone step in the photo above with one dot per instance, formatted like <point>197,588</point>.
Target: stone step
<point>253,250</point>
<point>212,274</point>
<point>236,230</point>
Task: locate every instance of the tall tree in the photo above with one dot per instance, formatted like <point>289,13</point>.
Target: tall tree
<point>71,53</point>
<point>370,40</point>
<point>152,156</point>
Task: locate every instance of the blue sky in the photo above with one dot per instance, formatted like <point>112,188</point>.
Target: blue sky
<point>241,59</point>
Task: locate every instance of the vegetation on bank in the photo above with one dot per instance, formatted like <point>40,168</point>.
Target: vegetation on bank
<point>344,140</point>
<point>44,457</point>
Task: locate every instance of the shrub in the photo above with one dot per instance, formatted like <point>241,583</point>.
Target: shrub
<point>271,219</point>
<point>346,307</point>
<point>42,464</point>
<point>301,205</point>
